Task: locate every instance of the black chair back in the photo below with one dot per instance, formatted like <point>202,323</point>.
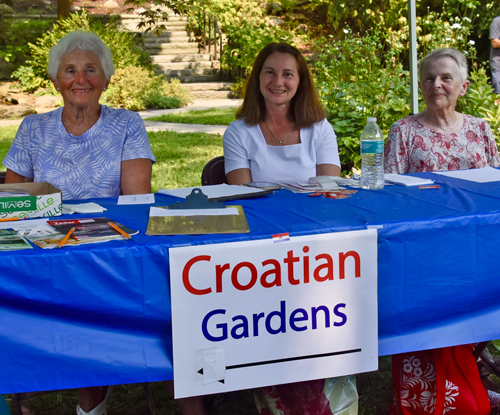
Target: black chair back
<point>213,172</point>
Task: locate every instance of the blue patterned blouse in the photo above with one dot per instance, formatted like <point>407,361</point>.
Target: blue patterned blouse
<point>83,167</point>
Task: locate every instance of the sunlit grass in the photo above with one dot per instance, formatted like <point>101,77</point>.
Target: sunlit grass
<point>180,158</point>
<point>7,135</point>
<point>212,116</point>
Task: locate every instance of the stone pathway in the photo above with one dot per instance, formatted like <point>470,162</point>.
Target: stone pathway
<point>197,105</point>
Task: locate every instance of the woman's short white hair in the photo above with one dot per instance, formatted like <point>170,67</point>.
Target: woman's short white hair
<point>454,54</point>
<point>82,40</point>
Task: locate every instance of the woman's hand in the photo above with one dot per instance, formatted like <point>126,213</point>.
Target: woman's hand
<point>136,176</point>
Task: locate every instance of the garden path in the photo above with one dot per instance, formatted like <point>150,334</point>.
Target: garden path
<point>200,104</point>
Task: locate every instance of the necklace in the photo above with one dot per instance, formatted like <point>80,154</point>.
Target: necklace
<point>280,142</point>
<point>438,126</point>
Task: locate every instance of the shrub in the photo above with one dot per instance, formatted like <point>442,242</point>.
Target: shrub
<point>128,87</point>
<point>246,40</point>
<point>359,78</point>
<point>481,101</point>
<point>28,80</point>
<point>137,88</point>
<point>156,100</point>
<point>174,89</point>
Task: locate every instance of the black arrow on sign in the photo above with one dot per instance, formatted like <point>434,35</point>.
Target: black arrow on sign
<point>289,359</point>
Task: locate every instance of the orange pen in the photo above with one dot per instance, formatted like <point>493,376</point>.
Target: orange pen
<point>66,238</point>
<point>117,229</point>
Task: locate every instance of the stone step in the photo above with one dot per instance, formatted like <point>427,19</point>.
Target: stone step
<point>211,94</point>
<point>208,86</point>
<point>187,79</point>
<point>175,45</point>
<point>186,72</point>
<point>131,22</point>
<point>179,38</point>
<point>172,18</point>
<point>195,57</point>
<point>177,58</point>
<point>172,66</point>
<point>170,49</point>
<point>167,37</point>
<point>133,27</point>
<point>180,25</point>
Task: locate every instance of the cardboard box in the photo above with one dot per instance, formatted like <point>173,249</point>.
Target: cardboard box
<point>45,200</point>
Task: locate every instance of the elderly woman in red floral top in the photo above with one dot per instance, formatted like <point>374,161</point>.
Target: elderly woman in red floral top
<point>436,139</point>
<point>440,138</point>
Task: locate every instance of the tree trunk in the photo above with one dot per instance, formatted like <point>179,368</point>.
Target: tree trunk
<point>63,7</point>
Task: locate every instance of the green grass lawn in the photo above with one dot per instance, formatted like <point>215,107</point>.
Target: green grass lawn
<point>180,158</point>
<point>6,137</point>
<point>212,116</point>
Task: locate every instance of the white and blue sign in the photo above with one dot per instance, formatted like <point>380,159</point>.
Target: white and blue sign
<point>259,313</point>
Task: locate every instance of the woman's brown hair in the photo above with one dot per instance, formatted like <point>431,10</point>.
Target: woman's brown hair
<point>305,108</point>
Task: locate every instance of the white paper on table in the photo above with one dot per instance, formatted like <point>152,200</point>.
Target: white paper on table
<point>484,175</point>
<point>325,182</point>
<point>90,207</point>
<point>214,191</point>
<point>406,180</point>
<point>145,199</point>
<point>23,226</point>
<point>154,211</point>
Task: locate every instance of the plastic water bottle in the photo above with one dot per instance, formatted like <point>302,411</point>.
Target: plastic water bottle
<point>372,156</point>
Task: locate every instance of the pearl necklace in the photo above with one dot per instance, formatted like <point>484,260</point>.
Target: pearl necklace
<point>280,142</point>
<point>438,126</point>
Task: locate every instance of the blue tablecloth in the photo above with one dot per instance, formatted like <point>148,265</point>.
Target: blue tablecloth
<point>100,314</point>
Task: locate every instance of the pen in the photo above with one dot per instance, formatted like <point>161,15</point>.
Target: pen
<point>9,219</point>
<point>434,186</point>
<point>116,228</point>
<point>66,238</point>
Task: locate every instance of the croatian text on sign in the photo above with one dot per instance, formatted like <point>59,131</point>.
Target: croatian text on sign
<point>258,313</point>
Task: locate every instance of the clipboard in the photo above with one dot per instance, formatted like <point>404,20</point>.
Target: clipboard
<point>197,216</point>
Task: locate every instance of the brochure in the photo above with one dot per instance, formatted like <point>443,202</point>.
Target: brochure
<point>88,230</point>
<point>10,240</point>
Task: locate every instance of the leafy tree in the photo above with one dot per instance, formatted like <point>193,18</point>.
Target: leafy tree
<point>156,12</point>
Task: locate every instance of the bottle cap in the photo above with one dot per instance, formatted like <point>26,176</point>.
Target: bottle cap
<point>372,119</point>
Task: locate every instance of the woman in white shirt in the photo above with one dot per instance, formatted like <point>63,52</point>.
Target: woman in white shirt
<point>281,134</point>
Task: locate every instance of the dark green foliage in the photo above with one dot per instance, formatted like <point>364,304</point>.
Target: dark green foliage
<point>15,34</point>
<point>481,101</point>
<point>159,101</point>
<point>358,78</point>
<point>246,40</point>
